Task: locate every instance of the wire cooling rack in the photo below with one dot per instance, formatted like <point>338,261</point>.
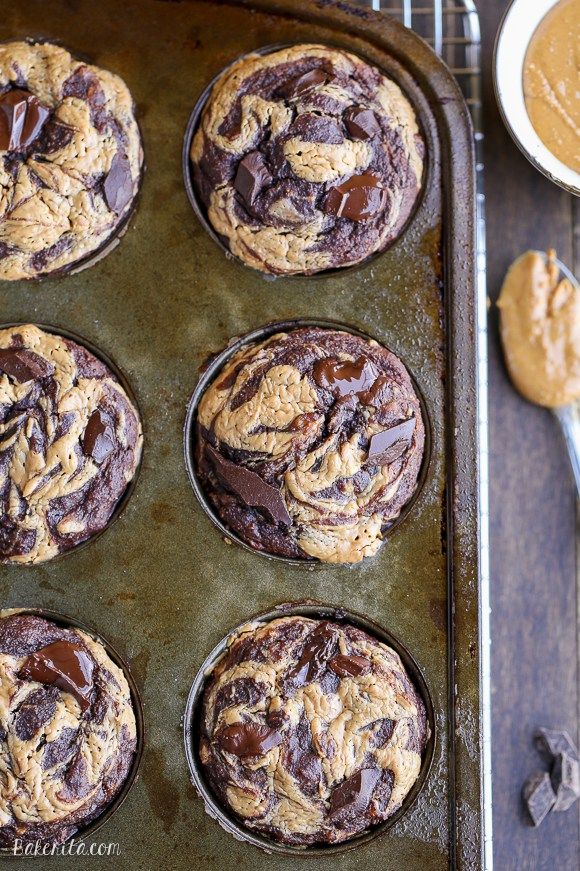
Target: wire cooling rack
<point>451,27</point>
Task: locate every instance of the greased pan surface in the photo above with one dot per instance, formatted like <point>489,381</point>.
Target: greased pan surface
<point>161,584</point>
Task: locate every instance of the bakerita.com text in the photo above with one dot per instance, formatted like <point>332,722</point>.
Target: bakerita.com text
<point>71,848</point>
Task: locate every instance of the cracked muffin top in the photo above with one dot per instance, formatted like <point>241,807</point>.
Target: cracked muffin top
<point>310,443</point>
<point>67,730</point>
<point>70,158</point>
<point>307,159</point>
<point>70,442</point>
<point>311,731</point>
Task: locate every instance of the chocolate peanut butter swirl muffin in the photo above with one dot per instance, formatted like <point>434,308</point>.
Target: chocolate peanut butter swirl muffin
<point>311,730</point>
<point>70,158</point>
<point>310,443</point>
<point>67,730</point>
<point>70,442</point>
<point>307,159</point>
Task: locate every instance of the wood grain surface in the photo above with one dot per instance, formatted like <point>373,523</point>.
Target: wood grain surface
<point>534,533</point>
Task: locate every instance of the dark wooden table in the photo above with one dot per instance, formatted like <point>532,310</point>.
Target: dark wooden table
<point>534,532</point>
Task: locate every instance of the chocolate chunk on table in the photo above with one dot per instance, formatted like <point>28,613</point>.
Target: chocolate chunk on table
<point>565,777</point>
<point>551,742</point>
<point>539,797</point>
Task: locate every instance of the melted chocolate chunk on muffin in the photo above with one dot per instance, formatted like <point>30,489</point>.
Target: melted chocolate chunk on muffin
<point>67,730</point>
<point>70,158</point>
<point>307,159</point>
<point>309,444</point>
<point>70,442</point>
<point>311,731</point>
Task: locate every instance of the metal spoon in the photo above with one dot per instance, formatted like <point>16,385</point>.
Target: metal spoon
<point>568,416</point>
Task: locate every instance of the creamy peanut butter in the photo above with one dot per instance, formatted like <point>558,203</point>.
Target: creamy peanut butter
<point>540,330</point>
<point>552,82</point>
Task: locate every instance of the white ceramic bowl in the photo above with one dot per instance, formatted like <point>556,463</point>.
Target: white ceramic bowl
<point>516,30</point>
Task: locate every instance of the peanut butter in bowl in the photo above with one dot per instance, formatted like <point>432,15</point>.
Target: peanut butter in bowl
<point>540,330</point>
<point>551,80</point>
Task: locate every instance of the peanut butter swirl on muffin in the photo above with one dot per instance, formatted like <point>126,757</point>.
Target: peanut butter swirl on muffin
<point>70,442</point>
<point>311,730</point>
<point>70,158</point>
<point>310,443</point>
<point>67,730</point>
<point>307,159</point>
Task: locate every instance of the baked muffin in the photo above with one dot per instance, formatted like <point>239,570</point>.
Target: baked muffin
<point>67,730</point>
<point>70,158</point>
<point>310,443</point>
<point>311,731</point>
<point>70,442</point>
<point>307,159</point>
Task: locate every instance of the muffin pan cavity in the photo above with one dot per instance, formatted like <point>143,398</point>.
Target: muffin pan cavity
<point>72,160</point>
<point>307,441</point>
<point>72,443</point>
<point>67,681</point>
<point>316,633</point>
<point>303,160</point>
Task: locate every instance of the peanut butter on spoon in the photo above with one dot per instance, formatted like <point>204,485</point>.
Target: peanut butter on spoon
<point>540,330</point>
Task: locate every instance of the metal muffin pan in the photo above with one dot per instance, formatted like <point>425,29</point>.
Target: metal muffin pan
<point>90,830</point>
<point>227,820</point>
<point>211,372</point>
<point>119,375</point>
<point>162,585</point>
